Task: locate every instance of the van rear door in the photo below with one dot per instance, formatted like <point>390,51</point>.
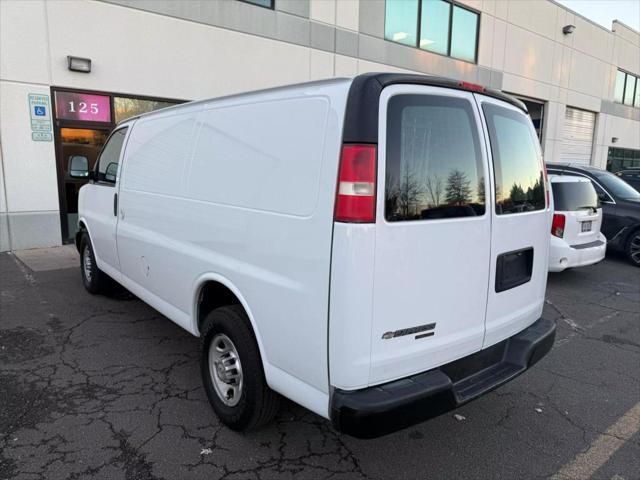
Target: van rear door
<point>433,231</point>
<point>521,221</point>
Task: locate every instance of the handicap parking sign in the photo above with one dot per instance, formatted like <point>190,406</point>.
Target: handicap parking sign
<point>40,117</point>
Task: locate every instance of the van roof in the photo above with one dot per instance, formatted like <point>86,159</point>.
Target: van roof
<point>361,122</point>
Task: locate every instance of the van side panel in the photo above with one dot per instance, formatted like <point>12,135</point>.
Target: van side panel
<point>253,203</point>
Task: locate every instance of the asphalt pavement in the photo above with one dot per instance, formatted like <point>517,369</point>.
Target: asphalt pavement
<point>95,387</point>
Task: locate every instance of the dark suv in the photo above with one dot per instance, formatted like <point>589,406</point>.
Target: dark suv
<point>620,207</point>
<point>631,176</point>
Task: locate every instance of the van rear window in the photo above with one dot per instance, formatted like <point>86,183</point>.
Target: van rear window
<point>519,180</point>
<point>571,196</point>
<point>434,165</point>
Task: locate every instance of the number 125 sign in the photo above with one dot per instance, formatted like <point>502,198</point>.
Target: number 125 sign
<point>83,106</point>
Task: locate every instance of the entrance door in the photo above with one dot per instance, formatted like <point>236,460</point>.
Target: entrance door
<point>74,143</point>
<point>433,231</point>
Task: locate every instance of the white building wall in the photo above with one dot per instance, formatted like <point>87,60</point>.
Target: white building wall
<point>522,50</point>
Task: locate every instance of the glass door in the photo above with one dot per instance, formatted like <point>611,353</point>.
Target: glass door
<point>77,146</point>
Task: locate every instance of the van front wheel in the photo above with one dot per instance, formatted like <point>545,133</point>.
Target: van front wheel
<point>232,371</point>
<point>94,279</point>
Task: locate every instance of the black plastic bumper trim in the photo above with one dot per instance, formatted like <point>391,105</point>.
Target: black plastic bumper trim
<point>597,243</point>
<point>376,411</point>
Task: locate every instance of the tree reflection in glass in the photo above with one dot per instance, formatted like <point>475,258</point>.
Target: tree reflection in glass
<point>433,165</point>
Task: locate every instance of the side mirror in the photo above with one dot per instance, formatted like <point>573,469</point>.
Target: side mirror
<point>78,167</point>
<point>111,172</point>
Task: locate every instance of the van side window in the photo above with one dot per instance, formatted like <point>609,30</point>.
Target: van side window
<point>519,178</point>
<point>110,157</point>
<point>434,165</point>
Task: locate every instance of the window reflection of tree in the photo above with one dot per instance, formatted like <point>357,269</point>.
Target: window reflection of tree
<point>521,200</point>
<point>433,171</point>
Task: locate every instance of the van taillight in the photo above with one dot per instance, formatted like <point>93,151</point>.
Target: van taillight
<point>557,227</point>
<point>356,195</point>
<point>473,87</point>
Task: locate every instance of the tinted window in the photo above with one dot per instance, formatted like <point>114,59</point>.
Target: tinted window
<point>571,196</point>
<point>602,195</point>
<point>518,169</point>
<point>401,21</point>
<point>434,26</point>
<point>434,167</point>
<point>110,157</point>
<point>463,34</point>
<point>617,186</point>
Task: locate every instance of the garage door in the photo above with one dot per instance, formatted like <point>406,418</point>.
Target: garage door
<point>577,137</point>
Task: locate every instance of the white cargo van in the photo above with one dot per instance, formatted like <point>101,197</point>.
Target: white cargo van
<point>373,248</point>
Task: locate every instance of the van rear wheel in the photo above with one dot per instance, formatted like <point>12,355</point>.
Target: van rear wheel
<point>94,280</point>
<point>232,370</point>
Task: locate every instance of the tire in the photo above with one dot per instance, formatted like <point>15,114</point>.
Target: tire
<point>94,280</point>
<point>244,401</point>
<point>632,248</point>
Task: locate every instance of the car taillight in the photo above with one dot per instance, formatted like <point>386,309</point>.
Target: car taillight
<point>557,226</point>
<point>356,194</point>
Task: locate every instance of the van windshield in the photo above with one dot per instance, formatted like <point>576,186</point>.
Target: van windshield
<point>571,196</point>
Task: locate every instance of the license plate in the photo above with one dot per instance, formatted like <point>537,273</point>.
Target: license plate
<point>586,226</point>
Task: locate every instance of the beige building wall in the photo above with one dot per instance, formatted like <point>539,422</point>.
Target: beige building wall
<point>198,49</point>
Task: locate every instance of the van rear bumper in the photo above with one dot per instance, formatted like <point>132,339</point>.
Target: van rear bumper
<point>382,409</point>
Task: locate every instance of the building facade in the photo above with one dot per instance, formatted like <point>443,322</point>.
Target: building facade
<point>70,70</point>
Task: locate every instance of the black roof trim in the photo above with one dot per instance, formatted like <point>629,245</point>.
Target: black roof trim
<point>361,118</point>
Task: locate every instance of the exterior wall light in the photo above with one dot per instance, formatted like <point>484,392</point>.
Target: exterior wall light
<point>568,29</point>
<point>614,139</point>
<point>78,64</point>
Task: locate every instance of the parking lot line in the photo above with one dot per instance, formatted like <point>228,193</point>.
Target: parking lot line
<point>585,464</point>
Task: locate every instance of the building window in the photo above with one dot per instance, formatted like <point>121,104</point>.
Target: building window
<point>127,107</point>
<point>627,89</point>
<point>439,26</point>
<point>622,158</point>
<point>260,3</point>
<point>401,24</point>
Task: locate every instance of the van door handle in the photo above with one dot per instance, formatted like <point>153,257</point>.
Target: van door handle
<point>115,204</point>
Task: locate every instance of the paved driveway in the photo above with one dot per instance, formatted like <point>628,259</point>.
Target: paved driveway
<point>107,388</point>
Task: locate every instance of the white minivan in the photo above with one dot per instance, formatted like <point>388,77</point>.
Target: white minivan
<point>576,240</point>
<point>373,248</point>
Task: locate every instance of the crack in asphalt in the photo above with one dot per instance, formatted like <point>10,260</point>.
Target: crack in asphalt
<point>96,388</point>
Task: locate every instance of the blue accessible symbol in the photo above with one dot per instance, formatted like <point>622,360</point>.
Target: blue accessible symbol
<point>40,110</point>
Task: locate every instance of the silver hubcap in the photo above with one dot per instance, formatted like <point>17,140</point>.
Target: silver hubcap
<point>225,369</point>
<point>87,263</point>
<point>634,249</point>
